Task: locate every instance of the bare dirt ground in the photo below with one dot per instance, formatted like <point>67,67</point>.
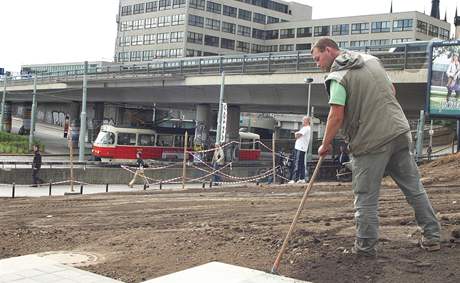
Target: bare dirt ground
<point>139,236</point>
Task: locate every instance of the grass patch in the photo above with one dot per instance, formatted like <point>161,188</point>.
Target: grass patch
<point>16,144</point>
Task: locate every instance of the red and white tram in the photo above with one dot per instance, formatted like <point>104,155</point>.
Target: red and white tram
<point>116,143</point>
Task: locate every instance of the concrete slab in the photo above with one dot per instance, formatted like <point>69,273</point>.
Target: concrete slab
<point>223,273</point>
<point>36,269</point>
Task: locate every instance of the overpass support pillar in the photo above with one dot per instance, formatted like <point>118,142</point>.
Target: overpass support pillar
<point>26,116</point>
<point>97,121</point>
<point>6,123</point>
<point>74,123</point>
<point>203,124</point>
<point>232,132</point>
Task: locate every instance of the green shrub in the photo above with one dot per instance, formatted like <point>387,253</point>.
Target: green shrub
<point>16,144</point>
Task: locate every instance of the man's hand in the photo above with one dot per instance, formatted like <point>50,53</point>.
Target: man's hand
<point>324,149</point>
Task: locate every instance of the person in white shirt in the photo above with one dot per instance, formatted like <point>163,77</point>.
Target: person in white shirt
<point>301,147</point>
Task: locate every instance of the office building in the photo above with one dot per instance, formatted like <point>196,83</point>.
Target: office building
<point>149,30</point>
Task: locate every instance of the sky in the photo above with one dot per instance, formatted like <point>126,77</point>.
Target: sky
<point>57,31</point>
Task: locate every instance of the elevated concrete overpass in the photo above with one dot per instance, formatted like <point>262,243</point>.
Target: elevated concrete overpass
<point>256,83</point>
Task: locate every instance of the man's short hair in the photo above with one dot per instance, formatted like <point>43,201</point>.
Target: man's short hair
<point>323,43</point>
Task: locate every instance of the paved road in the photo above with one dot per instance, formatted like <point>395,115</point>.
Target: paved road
<point>6,190</point>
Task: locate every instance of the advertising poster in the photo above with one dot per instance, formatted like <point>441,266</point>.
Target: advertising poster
<point>443,94</point>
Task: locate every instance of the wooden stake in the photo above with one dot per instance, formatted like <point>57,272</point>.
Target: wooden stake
<point>71,163</point>
<point>185,160</point>
<point>274,157</point>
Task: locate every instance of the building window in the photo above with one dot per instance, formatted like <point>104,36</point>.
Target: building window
<point>399,40</point>
<point>244,14</point>
<point>150,23</point>
<point>164,5</point>
<point>304,32</point>
<point>227,43</point>
<point>213,7</point>
<point>123,57</point>
<point>286,47</point>
<point>197,4</point>
<point>243,46</point>
<point>259,18</point>
<point>212,24</point>
<point>126,10</point>
<point>358,43</point>
<point>138,24</point>
<point>433,31</point>
<point>211,40</point>
<point>195,21</point>
<point>178,52</point>
<point>377,42</point>
<point>162,53</point>
<point>149,39</point>
<point>151,6</point>
<point>138,8</point>
<point>257,48</point>
<point>342,44</point>
<point>230,11</point>
<point>272,34</point>
<point>271,48</point>
<point>402,25</point>
<point>228,27</point>
<point>193,53</point>
<point>443,33</point>
<point>377,27</point>
<point>287,33</point>
<point>178,20</point>
<point>322,31</point>
<point>148,55</point>
<point>163,37</point>
<point>359,28</point>
<point>126,26</point>
<point>164,21</point>
<point>343,29</point>
<point>136,56</point>
<point>244,31</point>
<point>177,36</point>
<point>258,33</point>
<point>303,46</point>
<point>125,41</point>
<point>194,37</point>
<point>272,20</point>
<point>137,40</point>
<point>422,27</point>
<point>178,4</point>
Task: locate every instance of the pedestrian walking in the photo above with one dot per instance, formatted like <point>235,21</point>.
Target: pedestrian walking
<point>218,161</point>
<point>139,171</point>
<point>363,104</point>
<point>36,165</point>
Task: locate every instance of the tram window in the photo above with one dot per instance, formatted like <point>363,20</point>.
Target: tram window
<point>146,140</point>
<point>179,141</point>
<point>164,140</point>
<point>126,139</point>
<point>105,138</point>
<point>246,144</point>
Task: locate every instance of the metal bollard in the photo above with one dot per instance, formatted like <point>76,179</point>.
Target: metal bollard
<point>161,183</point>
<point>257,182</point>
<point>145,187</point>
<point>107,188</point>
<point>81,189</point>
<point>203,185</point>
<point>13,190</point>
<point>210,184</point>
<point>49,188</point>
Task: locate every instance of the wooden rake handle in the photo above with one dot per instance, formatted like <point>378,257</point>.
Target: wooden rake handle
<point>294,221</point>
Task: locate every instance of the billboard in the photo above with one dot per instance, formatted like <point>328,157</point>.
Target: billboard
<point>443,87</point>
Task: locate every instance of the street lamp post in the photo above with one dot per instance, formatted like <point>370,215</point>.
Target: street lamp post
<point>2,114</point>
<point>308,81</point>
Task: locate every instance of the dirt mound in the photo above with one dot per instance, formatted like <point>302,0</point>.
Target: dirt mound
<point>443,170</point>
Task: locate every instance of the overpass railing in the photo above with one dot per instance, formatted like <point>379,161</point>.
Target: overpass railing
<point>398,56</point>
